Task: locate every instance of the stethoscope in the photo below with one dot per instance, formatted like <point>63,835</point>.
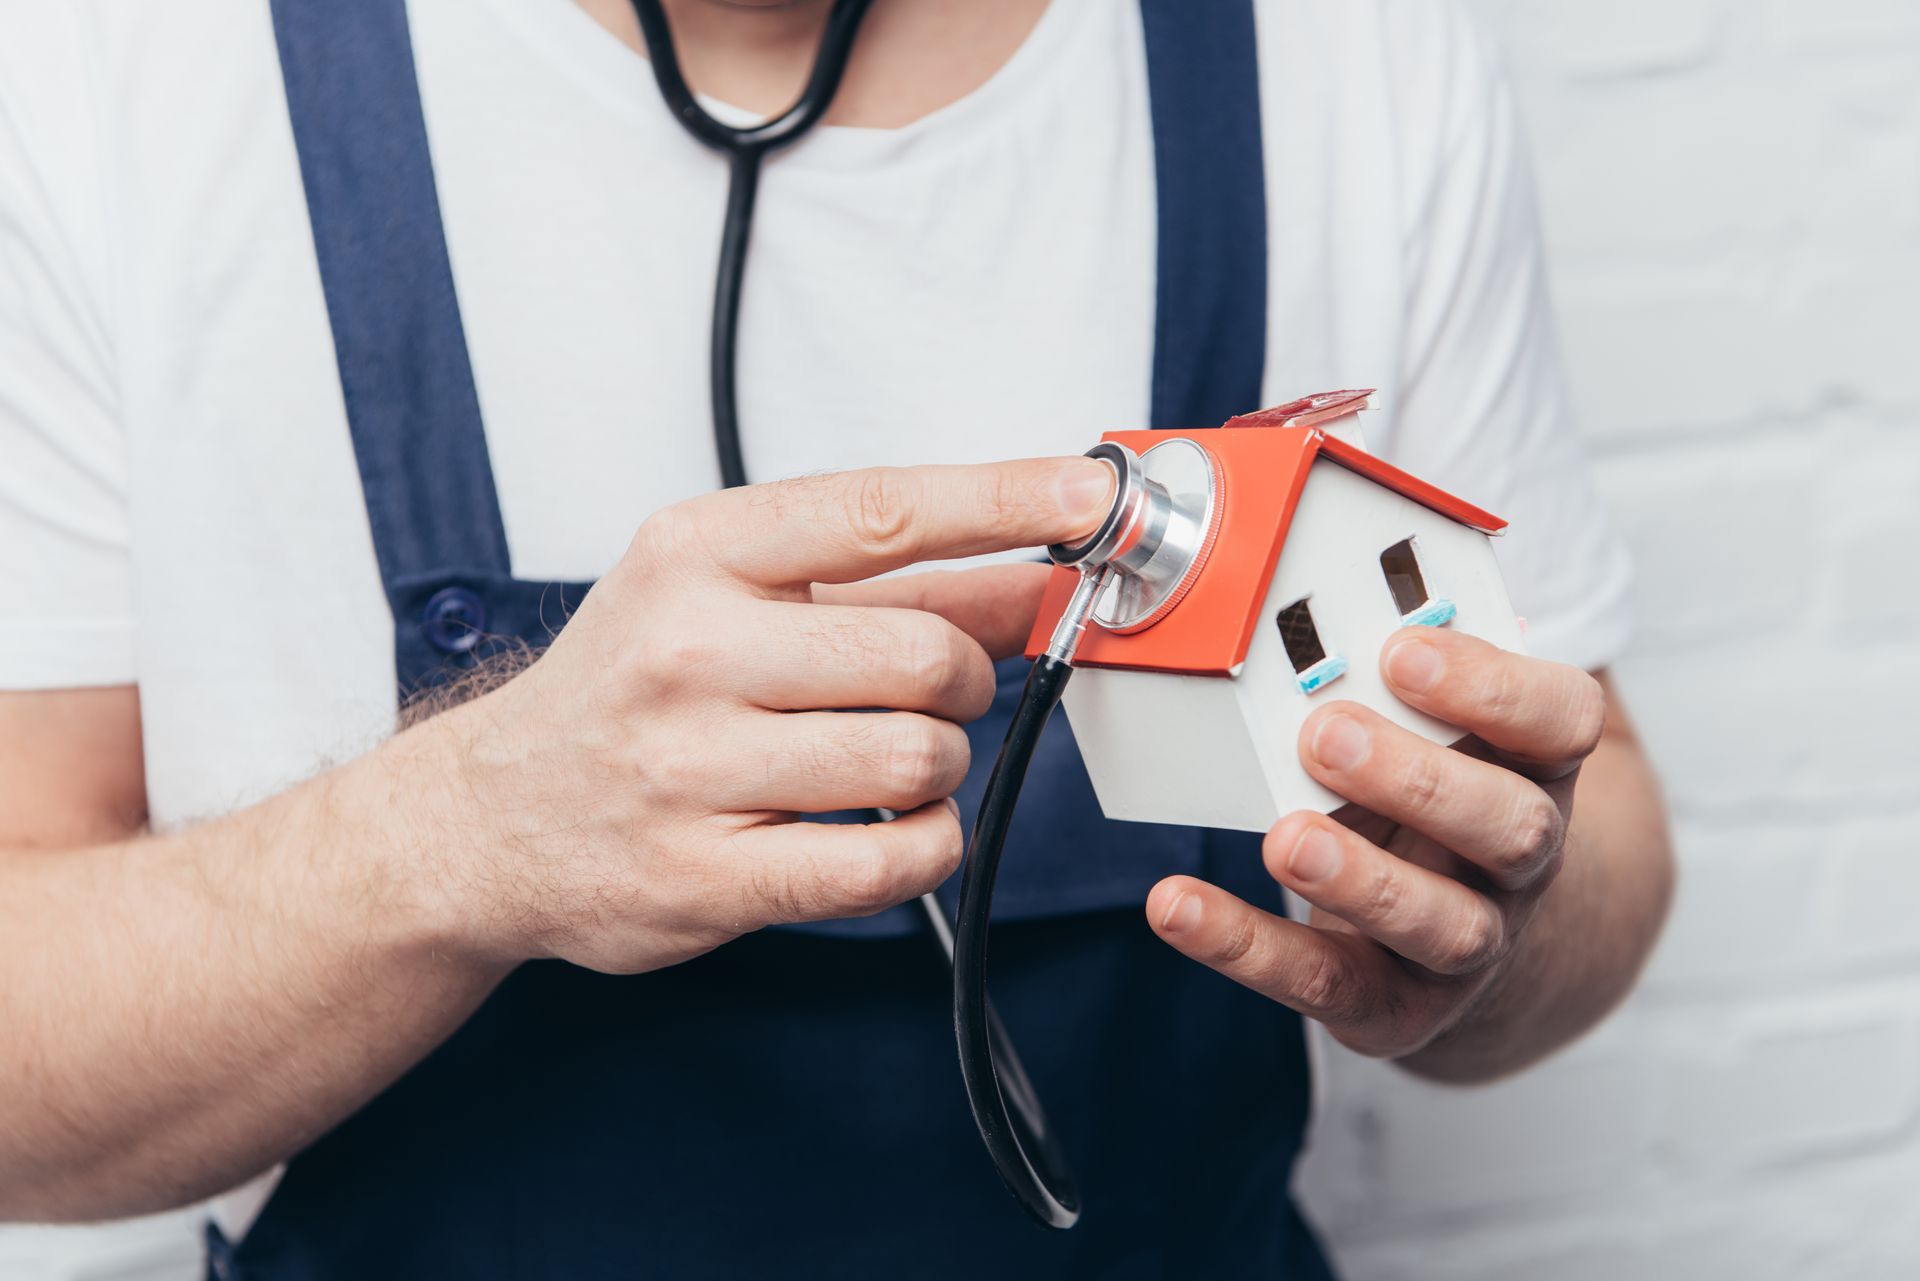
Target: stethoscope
<point>744,149</point>
<point>1143,555</point>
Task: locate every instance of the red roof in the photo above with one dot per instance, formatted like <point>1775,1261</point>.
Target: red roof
<point>1263,461</point>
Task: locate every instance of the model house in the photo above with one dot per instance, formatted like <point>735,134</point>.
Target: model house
<point>1320,552</point>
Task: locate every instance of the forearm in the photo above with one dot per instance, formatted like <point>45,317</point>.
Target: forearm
<point>1590,936</point>
<point>183,1011</point>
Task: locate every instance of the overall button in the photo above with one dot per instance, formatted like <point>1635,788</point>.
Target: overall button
<point>454,620</point>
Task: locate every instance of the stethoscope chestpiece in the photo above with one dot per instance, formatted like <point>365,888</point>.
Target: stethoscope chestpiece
<point>1122,524</point>
<point>1156,536</point>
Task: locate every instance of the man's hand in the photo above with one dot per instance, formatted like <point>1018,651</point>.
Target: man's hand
<point>1424,888</point>
<point>632,799</point>
<point>184,1009</point>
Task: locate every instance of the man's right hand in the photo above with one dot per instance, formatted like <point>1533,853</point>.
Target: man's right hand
<point>630,801</point>
<point>184,1009</point>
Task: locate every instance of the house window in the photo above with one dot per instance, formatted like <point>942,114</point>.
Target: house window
<point>1312,665</point>
<point>1404,579</point>
<point>1416,605</point>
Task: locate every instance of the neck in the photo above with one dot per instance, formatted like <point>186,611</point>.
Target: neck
<point>912,58</point>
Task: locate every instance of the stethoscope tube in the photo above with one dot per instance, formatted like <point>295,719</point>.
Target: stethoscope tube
<point>743,184</point>
<point>1024,1149</point>
<point>744,149</point>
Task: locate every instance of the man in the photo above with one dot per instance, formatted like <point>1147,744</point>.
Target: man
<point>494,994</point>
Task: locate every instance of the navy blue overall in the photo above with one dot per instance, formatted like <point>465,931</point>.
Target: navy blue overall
<point>790,1105</point>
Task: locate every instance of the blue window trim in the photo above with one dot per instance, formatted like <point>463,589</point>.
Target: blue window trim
<point>1435,613</point>
<point>1322,673</point>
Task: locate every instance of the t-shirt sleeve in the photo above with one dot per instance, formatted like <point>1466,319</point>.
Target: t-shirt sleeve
<point>1483,408</point>
<point>65,585</point>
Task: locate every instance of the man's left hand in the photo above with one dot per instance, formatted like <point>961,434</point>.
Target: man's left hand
<point>1423,886</point>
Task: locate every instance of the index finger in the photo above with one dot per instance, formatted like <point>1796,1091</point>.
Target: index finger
<point>994,604</point>
<point>1546,714</point>
<point>846,526</point>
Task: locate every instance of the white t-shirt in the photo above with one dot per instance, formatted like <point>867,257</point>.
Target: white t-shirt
<point>179,504</point>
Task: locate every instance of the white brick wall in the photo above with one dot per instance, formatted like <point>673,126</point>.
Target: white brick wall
<point>1733,189</point>
<point>1733,194</point>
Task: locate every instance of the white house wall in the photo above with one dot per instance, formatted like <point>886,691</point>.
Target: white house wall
<point>1162,748</point>
<point>1332,557</point>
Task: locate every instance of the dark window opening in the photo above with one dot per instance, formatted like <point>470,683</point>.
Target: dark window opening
<point>1403,577</point>
<point>1300,636</point>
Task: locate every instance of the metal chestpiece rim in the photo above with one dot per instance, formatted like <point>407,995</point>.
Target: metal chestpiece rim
<point>1157,533</point>
<point>1123,516</point>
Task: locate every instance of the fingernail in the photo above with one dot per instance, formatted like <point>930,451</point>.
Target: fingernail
<point>1183,916</point>
<point>1086,490</point>
<point>1415,666</point>
<point>1315,857</point>
<point>1340,743</point>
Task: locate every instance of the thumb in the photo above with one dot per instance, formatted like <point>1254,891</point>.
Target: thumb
<point>994,604</point>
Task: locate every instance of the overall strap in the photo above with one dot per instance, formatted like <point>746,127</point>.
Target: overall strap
<point>402,351</point>
<point>411,405</point>
<point>1210,330</point>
